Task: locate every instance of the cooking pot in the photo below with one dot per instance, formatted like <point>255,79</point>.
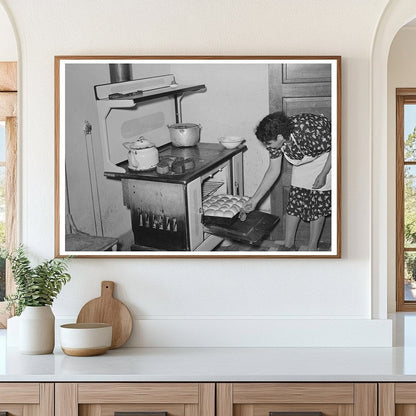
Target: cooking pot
<point>142,155</point>
<point>184,134</point>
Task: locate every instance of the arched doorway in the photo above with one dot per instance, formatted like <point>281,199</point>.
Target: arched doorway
<point>8,150</point>
<point>396,15</point>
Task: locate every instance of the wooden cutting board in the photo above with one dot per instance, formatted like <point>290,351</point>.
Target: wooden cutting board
<point>107,309</point>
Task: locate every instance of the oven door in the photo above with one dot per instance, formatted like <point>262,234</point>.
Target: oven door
<point>256,227</point>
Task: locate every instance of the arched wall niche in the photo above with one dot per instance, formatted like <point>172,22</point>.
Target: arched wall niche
<point>396,14</point>
<point>10,52</point>
<point>9,46</point>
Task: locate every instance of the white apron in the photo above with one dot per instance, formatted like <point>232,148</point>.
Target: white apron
<point>307,169</point>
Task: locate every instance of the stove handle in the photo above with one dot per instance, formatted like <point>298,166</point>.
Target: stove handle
<point>236,188</point>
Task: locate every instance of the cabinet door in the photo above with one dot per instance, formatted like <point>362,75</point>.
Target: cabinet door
<point>143,399</point>
<point>295,89</point>
<point>397,399</point>
<point>194,213</point>
<point>26,399</point>
<point>237,175</point>
<point>297,399</point>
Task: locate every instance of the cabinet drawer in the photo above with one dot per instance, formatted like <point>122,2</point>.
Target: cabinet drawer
<point>21,399</point>
<point>297,399</point>
<point>397,399</point>
<point>19,393</point>
<point>138,393</point>
<point>107,399</point>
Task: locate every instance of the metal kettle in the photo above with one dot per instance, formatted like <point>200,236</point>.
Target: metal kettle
<point>142,155</point>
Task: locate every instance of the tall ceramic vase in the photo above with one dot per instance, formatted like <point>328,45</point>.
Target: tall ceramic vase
<point>37,330</point>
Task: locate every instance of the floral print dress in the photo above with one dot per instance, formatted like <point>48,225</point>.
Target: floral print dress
<point>307,150</point>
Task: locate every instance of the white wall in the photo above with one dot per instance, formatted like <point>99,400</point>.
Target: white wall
<point>8,46</point>
<point>401,74</point>
<point>231,106</point>
<point>90,192</point>
<point>203,302</point>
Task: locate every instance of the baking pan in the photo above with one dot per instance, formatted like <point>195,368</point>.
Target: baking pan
<point>253,230</point>
<point>209,220</point>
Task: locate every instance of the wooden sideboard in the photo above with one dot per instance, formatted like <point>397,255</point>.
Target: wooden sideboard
<point>208,399</point>
<point>105,399</point>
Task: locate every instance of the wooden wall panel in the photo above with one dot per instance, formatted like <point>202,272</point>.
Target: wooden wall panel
<point>8,76</point>
<point>8,105</point>
<point>11,195</point>
<point>306,73</point>
<point>8,113</point>
<point>11,208</point>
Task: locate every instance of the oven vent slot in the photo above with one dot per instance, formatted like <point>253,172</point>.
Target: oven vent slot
<point>209,187</point>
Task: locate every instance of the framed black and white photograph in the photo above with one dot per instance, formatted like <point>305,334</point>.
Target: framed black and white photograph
<point>198,156</point>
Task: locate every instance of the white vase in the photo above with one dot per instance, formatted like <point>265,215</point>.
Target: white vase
<point>12,334</point>
<point>37,330</point>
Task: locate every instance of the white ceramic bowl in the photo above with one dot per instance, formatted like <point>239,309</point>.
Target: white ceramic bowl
<point>231,142</point>
<point>84,340</point>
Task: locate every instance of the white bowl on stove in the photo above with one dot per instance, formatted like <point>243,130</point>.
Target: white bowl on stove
<point>231,142</point>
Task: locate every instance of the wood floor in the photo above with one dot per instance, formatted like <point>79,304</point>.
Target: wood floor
<point>266,245</point>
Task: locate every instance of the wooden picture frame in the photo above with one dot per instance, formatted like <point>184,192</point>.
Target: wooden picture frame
<point>8,116</point>
<point>405,302</point>
<point>126,188</point>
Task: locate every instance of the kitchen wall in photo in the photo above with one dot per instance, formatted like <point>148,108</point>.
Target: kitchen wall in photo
<point>130,186</point>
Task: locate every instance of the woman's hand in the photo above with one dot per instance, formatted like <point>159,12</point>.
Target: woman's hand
<point>250,205</point>
<point>319,181</point>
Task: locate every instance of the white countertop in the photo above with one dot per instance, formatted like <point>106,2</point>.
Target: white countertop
<point>222,364</point>
<point>215,364</point>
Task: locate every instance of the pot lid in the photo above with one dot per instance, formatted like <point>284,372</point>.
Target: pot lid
<point>141,143</point>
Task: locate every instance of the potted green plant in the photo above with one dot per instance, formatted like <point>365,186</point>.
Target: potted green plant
<point>36,289</point>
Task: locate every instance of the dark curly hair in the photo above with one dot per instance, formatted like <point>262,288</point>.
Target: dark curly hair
<point>273,125</point>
